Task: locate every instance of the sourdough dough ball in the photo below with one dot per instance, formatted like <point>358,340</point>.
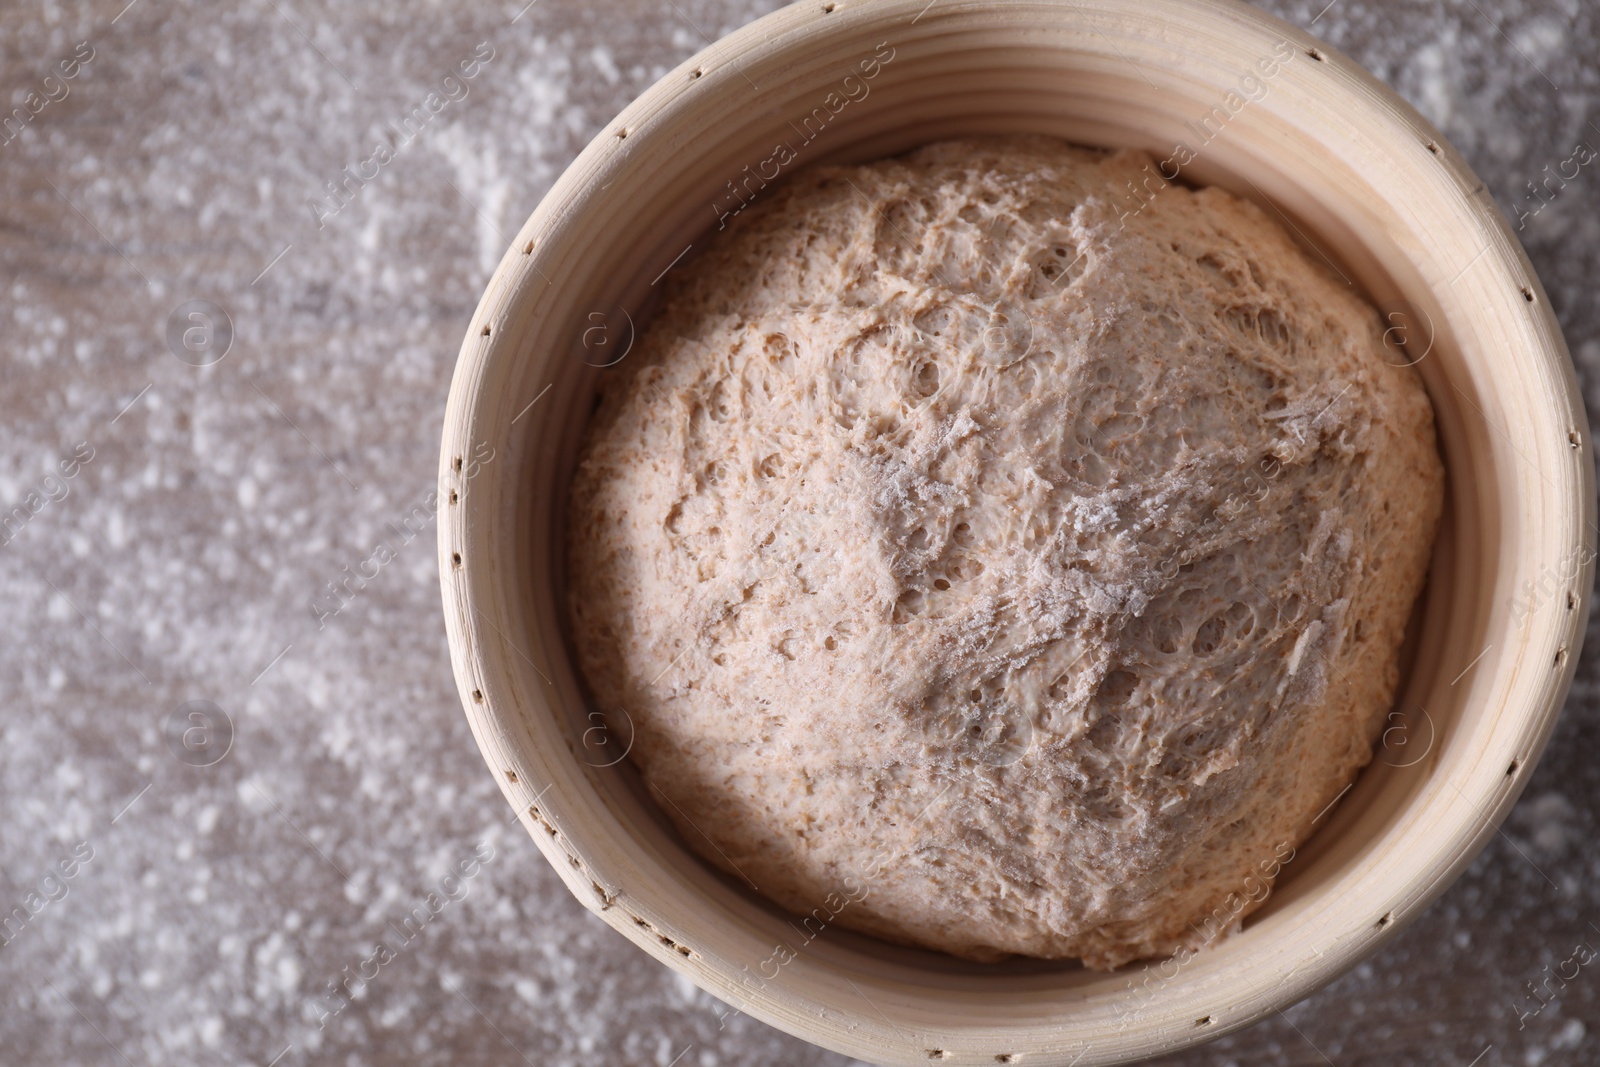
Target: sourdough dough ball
<point>1000,552</point>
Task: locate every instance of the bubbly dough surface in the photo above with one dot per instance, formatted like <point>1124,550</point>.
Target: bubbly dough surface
<point>1020,566</point>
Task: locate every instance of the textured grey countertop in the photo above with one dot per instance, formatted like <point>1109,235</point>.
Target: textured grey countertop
<point>183,516</point>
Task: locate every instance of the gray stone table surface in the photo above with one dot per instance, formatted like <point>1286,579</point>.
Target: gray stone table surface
<point>183,516</point>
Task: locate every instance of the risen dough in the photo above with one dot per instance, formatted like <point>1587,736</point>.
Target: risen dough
<point>990,563</point>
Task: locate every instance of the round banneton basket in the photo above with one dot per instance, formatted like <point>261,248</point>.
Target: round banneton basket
<point>1230,97</point>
